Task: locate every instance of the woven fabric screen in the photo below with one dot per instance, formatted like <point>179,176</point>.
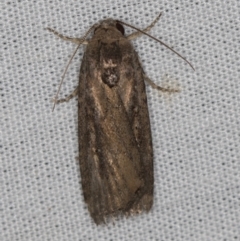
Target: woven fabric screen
<point>196,133</point>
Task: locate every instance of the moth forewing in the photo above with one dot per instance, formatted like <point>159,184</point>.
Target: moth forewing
<point>114,130</point>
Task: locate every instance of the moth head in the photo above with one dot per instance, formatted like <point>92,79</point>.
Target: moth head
<point>110,23</point>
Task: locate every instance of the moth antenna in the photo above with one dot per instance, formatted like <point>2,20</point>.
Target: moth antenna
<point>129,25</point>
<point>69,62</point>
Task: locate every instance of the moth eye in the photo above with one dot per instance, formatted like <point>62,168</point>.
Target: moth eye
<point>120,28</point>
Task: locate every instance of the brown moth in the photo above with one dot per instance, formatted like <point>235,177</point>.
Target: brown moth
<point>115,144</point>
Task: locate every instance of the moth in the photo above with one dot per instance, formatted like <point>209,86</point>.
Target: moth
<point>115,144</point>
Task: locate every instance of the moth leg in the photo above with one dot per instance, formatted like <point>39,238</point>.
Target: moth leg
<point>70,39</point>
<point>159,87</point>
<point>73,94</point>
<point>138,34</point>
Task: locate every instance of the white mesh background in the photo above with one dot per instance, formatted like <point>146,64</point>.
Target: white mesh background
<point>196,133</point>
